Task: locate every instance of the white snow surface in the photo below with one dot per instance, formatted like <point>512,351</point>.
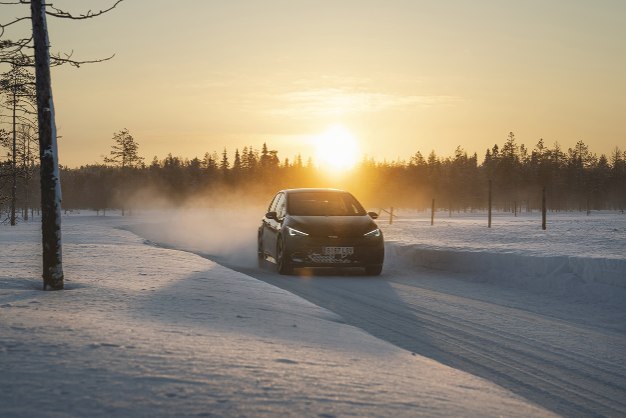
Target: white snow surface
<point>578,255</point>
<point>543,317</point>
<point>148,331</point>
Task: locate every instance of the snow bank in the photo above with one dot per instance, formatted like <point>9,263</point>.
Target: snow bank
<point>578,256</point>
<point>596,278</point>
<point>147,331</point>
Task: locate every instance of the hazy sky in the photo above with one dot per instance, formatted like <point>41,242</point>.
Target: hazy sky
<point>194,76</point>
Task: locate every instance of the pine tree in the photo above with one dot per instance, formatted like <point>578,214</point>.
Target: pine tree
<point>124,153</point>
<point>224,165</point>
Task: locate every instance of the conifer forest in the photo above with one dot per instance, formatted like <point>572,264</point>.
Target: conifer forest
<point>575,179</point>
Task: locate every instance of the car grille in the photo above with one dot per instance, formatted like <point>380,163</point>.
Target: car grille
<point>310,250</point>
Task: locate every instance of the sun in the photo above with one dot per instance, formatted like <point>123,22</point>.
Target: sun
<point>336,149</point>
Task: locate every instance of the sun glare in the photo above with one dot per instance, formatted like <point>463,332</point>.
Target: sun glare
<point>336,149</point>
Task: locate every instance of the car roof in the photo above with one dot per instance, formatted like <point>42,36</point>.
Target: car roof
<point>313,189</point>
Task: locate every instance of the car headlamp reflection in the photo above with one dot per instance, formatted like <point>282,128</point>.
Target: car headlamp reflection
<point>374,233</point>
<point>295,233</point>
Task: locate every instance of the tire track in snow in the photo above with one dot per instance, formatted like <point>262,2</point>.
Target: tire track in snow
<point>534,344</point>
<point>507,358</point>
<point>458,331</point>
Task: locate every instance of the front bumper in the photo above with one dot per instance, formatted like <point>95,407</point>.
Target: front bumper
<point>309,251</point>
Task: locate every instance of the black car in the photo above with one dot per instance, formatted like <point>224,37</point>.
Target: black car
<point>320,228</point>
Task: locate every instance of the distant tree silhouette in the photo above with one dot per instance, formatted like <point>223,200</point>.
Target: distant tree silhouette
<point>124,155</point>
<point>225,166</point>
<point>125,151</point>
<point>18,87</point>
<point>457,183</point>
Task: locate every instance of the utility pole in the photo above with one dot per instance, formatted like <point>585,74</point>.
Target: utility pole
<point>489,207</point>
<point>544,209</point>
<point>432,213</point>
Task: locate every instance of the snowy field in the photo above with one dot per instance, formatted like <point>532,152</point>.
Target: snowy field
<point>149,331</point>
<point>573,234</point>
<point>577,255</point>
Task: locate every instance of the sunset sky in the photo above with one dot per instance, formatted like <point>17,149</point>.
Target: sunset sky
<point>195,76</point>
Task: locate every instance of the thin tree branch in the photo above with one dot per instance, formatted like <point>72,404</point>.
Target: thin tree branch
<point>3,26</point>
<point>56,60</point>
<point>11,52</point>
<point>66,15</point>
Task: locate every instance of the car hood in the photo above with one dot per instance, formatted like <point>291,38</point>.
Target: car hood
<point>340,226</point>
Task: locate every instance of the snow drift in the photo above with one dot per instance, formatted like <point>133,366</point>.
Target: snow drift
<point>148,331</point>
<point>578,256</point>
<point>556,274</point>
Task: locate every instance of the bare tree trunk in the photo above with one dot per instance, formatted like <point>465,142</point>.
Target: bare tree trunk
<point>26,172</point>
<point>50,182</point>
<point>14,163</point>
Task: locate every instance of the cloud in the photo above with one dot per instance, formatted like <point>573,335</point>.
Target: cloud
<point>339,102</point>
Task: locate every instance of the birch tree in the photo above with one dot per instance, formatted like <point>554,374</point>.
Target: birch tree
<point>18,52</point>
<point>48,153</point>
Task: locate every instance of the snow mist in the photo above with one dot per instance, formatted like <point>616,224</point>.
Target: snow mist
<point>220,226</point>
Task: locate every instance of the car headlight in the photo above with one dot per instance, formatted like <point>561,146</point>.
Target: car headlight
<point>374,233</point>
<point>295,233</point>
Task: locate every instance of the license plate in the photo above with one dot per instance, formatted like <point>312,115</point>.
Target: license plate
<point>338,250</point>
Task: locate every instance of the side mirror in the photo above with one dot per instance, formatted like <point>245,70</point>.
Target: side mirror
<point>373,215</point>
<point>271,215</point>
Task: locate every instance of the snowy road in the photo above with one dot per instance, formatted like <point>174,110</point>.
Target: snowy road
<point>545,350</point>
<point>566,354</point>
<point>147,331</point>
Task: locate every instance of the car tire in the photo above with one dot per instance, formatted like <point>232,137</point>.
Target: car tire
<point>374,269</point>
<point>282,264</point>
<point>260,254</point>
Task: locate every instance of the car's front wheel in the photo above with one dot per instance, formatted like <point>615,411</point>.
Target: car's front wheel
<point>260,253</point>
<point>282,263</point>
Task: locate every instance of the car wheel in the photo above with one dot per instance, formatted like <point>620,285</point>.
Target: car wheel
<point>283,265</point>
<point>260,253</point>
<point>374,269</point>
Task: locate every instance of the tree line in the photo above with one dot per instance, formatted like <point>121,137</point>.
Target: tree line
<point>574,179</point>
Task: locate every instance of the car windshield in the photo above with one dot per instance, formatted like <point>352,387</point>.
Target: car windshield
<point>323,203</point>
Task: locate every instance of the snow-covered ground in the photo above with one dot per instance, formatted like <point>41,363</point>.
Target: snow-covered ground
<point>575,234</point>
<point>544,317</point>
<point>148,331</point>
<point>577,256</point>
